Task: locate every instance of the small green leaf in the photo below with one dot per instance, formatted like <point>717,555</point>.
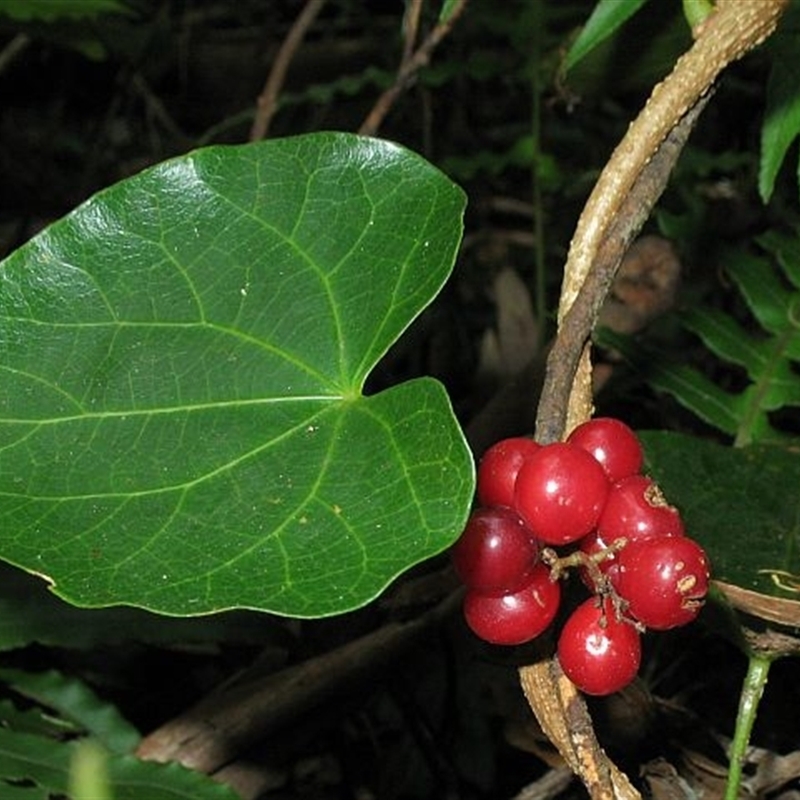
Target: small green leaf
<point>724,337</point>
<point>782,116</point>
<point>700,395</point>
<point>786,250</point>
<point>768,357</point>
<point>45,764</point>
<point>11,792</point>
<point>448,7</point>
<point>54,10</point>
<point>766,295</point>
<point>775,383</point>
<point>183,359</point>
<point>74,701</point>
<point>133,779</point>
<point>742,505</point>
<point>35,719</point>
<point>608,15</point>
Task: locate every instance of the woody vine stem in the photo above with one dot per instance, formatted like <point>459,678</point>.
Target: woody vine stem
<point>628,188</point>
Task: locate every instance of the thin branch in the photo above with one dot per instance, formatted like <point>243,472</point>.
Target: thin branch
<point>409,67</point>
<point>268,99</point>
<point>13,49</point>
<point>567,724</point>
<point>411,28</point>
<point>156,107</point>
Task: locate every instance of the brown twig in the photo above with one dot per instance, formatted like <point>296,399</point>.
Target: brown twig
<point>565,721</point>
<point>411,28</point>
<point>268,99</point>
<point>411,64</point>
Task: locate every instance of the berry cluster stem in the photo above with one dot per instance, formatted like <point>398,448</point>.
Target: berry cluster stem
<point>559,565</point>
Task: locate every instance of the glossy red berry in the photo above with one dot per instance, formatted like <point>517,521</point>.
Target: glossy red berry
<point>599,653</point>
<point>516,617</point>
<point>498,468</point>
<point>496,552</point>
<point>612,443</point>
<point>560,492</point>
<point>664,581</point>
<point>636,509</point>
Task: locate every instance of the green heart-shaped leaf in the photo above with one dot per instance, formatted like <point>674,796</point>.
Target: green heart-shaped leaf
<point>181,369</point>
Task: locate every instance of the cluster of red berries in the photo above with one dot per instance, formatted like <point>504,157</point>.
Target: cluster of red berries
<point>587,493</point>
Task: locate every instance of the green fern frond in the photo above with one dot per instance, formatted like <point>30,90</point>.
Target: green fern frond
<point>766,348</point>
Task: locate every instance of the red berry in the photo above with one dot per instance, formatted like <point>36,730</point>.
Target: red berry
<point>599,653</point>
<point>560,492</point>
<point>636,509</point>
<point>516,617</point>
<point>664,581</point>
<point>498,470</point>
<point>612,443</point>
<point>496,552</point>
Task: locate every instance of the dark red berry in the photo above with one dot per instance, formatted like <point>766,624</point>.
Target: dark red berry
<point>664,581</point>
<point>498,470</point>
<point>516,617</point>
<point>636,509</point>
<point>560,492</point>
<point>599,653</point>
<point>612,443</point>
<point>496,552</point>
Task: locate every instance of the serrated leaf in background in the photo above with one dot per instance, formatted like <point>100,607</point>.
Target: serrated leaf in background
<point>781,124</point>
<point>767,296</point>
<point>183,359</point>
<point>46,765</point>
<point>606,17</point>
<point>76,702</point>
<point>786,250</point>
<point>768,356</point>
<point>698,394</point>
